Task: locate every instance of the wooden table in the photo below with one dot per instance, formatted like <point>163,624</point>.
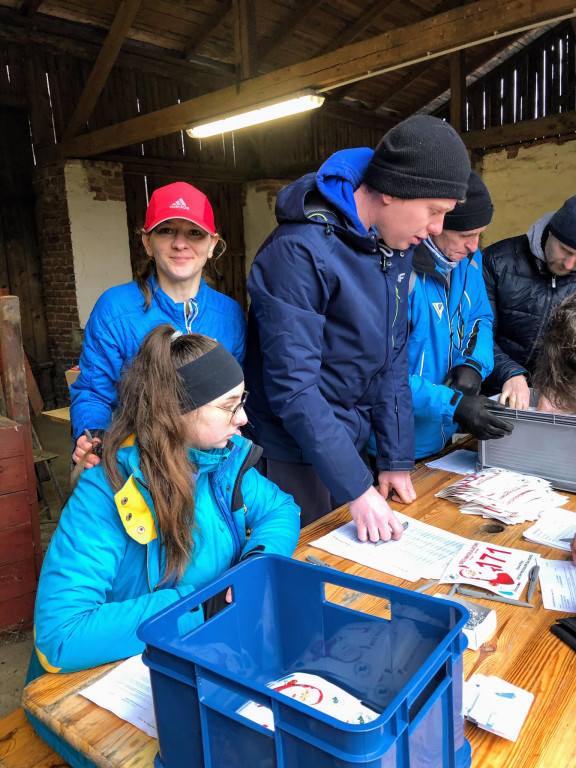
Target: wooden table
<point>522,651</point>
<point>61,415</point>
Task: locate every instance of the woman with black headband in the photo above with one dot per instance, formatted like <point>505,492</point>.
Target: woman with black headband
<point>174,503</point>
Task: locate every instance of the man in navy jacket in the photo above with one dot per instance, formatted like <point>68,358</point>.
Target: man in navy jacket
<point>326,354</point>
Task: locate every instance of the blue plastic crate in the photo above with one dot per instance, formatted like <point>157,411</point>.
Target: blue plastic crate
<point>407,666</point>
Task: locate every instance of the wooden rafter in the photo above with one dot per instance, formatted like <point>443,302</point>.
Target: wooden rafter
<point>30,7</point>
<point>524,131</point>
<point>211,27</point>
<point>103,65</point>
<point>245,38</point>
<point>454,30</point>
<point>298,18</point>
<point>353,31</point>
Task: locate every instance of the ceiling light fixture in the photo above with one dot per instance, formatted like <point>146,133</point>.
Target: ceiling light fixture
<point>299,102</point>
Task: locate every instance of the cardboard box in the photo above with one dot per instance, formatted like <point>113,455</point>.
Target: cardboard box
<point>72,375</point>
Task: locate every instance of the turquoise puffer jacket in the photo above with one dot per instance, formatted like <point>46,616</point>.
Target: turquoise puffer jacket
<point>116,328</point>
<point>101,574</point>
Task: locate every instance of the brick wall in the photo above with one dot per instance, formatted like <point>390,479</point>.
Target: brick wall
<point>105,181</point>
<point>55,242</point>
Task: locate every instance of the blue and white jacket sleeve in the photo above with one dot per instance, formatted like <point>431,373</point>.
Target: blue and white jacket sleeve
<point>478,344</point>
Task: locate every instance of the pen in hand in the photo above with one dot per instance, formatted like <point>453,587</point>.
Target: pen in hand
<point>377,543</point>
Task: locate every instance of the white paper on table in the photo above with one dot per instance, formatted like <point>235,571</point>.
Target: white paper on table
<point>555,524</point>
<point>496,706</point>
<point>499,569</point>
<point>126,692</point>
<point>558,585</point>
<point>461,462</point>
<point>422,552</point>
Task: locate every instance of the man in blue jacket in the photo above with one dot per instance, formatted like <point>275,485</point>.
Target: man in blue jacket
<point>326,356</point>
<point>451,345</point>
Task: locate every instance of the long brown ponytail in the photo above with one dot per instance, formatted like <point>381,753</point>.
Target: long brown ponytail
<point>149,397</point>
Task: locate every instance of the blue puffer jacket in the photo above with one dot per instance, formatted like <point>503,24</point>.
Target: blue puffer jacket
<point>449,326</point>
<point>116,328</point>
<point>101,573</point>
<point>326,354</point>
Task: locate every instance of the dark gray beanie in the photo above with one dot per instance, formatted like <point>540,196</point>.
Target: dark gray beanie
<point>563,224</point>
<point>475,212</point>
<point>422,156</point>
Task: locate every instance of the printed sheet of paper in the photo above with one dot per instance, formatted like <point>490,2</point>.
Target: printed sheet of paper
<point>554,525</point>
<point>461,462</point>
<point>496,706</point>
<point>422,552</point>
<point>558,585</point>
<point>496,568</point>
<point>315,692</point>
<point>126,692</point>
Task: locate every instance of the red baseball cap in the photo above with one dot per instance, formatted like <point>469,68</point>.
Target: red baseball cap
<point>180,201</point>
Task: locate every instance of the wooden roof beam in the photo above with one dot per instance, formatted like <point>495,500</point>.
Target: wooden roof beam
<point>559,125</point>
<point>103,66</point>
<point>30,7</point>
<point>245,38</point>
<point>436,36</point>
<point>352,32</point>
<point>211,27</point>
<point>298,18</point>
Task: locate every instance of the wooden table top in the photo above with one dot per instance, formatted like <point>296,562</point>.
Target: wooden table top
<point>522,651</point>
<point>61,415</point>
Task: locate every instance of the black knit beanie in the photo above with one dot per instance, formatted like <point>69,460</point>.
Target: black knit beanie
<point>475,212</point>
<point>420,157</point>
<point>563,224</point>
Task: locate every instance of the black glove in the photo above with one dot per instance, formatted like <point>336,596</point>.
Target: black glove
<point>464,378</point>
<point>473,415</point>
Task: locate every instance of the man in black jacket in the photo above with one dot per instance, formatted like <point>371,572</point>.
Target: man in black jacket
<point>526,277</point>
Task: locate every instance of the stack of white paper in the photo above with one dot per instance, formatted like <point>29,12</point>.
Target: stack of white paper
<point>503,495</point>
<point>496,706</point>
<point>553,528</point>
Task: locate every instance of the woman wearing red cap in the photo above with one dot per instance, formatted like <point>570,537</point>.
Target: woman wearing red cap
<point>179,237</point>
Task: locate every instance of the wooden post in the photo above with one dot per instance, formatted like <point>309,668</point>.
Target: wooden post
<point>16,396</point>
<point>458,91</point>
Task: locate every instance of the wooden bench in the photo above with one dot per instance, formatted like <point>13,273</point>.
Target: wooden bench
<point>21,747</point>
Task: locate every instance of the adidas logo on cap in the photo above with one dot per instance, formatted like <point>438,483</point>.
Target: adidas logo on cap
<point>179,204</point>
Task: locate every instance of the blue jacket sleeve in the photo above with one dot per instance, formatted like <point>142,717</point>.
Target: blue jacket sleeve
<point>272,517</point>
<point>291,319</point>
<point>93,393</point>
<point>478,343</point>
<point>238,347</point>
<point>77,625</point>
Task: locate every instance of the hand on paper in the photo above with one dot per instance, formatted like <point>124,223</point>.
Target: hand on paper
<point>400,483</point>
<point>516,393</point>
<point>83,445</point>
<point>373,517</point>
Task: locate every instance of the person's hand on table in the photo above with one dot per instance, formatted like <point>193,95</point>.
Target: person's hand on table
<point>399,483</point>
<point>516,393</point>
<point>83,445</point>
<point>374,519</point>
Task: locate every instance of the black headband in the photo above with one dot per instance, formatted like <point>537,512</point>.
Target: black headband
<point>209,377</point>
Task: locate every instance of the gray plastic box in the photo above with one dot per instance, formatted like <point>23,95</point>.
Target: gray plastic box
<point>542,444</point>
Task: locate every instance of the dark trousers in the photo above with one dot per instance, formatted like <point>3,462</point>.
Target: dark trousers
<point>302,482</point>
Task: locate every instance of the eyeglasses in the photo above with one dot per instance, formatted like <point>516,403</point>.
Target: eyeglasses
<point>233,411</point>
